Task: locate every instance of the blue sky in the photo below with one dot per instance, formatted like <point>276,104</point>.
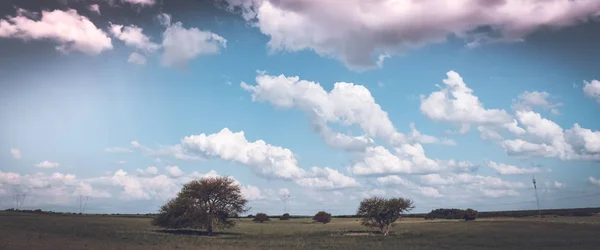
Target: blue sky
<point>122,101</point>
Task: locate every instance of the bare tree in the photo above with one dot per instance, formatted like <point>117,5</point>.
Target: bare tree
<point>204,203</point>
<point>382,213</point>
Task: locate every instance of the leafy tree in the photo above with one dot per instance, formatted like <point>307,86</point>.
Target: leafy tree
<point>205,203</point>
<point>382,213</point>
<point>250,216</point>
<point>470,214</point>
<point>261,217</point>
<point>322,217</point>
<point>285,216</point>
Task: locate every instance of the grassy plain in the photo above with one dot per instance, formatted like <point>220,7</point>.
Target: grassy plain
<point>43,231</point>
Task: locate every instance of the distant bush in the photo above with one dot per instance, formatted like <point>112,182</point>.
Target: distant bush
<point>250,216</point>
<point>322,217</point>
<point>261,217</point>
<point>285,216</point>
<point>470,214</point>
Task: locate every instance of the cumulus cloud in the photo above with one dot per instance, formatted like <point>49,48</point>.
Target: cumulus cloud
<point>71,31</point>
<point>174,171</point>
<point>149,171</point>
<point>529,100</point>
<point>181,45</point>
<point>499,193</point>
<point>137,58</point>
<point>359,32</point>
<point>140,2</point>
<point>50,189</point>
<point>133,36</point>
<point>266,160</point>
<point>545,138</point>
<point>326,178</point>
<point>505,169</point>
<point>47,164</point>
<point>592,89</point>
<point>15,153</point>
<point>347,104</point>
<point>455,103</point>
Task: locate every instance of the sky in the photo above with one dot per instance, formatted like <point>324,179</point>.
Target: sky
<point>309,105</point>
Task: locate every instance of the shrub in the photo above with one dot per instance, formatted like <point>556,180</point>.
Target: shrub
<point>470,214</point>
<point>250,216</point>
<point>285,216</point>
<point>322,217</point>
<point>382,213</point>
<point>261,217</point>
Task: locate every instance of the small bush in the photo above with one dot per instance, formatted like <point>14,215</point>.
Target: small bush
<point>470,214</point>
<point>285,216</point>
<point>322,217</point>
<point>250,216</point>
<point>261,217</point>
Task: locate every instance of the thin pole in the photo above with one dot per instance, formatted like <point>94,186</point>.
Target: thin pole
<point>537,200</point>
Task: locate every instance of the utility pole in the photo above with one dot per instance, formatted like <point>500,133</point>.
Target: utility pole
<point>537,200</point>
<point>19,198</point>
<point>285,198</point>
<point>82,204</point>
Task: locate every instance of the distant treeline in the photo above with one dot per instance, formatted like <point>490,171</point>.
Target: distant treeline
<point>441,213</point>
<point>453,213</point>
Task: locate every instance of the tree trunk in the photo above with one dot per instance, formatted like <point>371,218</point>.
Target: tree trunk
<point>209,225</point>
<point>387,230</point>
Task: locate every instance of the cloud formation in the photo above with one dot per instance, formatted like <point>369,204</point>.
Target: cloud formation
<point>592,90</point>
<point>15,153</point>
<point>505,169</point>
<point>359,33</point>
<point>71,31</point>
<point>181,45</point>
<point>47,164</point>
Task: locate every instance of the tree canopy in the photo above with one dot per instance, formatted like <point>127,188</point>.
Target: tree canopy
<point>382,213</point>
<point>203,204</point>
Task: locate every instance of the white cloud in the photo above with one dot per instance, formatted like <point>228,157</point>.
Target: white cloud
<point>137,58</point>
<point>326,178</point>
<point>430,192</point>
<point>594,180</point>
<point>70,30</point>
<point>373,193</point>
<point>346,103</point>
<point>416,136</point>
<point>592,89</point>
<point>489,134</point>
<point>455,103</point>
<point>95,8</point>
<point>174,171</point>
<point>181,45</point>
<point>528,100</point>
<point>47,164</point>
<point>251,193</point>
<point>545,138</point>
<point>133,36</point>
<point>267,160</point>
<point>358,31</point>
<point>121,162</point>
<point>505,169</point>
<point>392,180</point>
<point>15,153</point>
<point>378,160</point>
<point>135,144</point>
<point>152,170</point>
<point>49,189</point>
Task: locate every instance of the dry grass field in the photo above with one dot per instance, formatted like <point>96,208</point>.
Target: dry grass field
<point>43,231</point>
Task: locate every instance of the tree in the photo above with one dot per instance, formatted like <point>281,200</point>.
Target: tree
<point>261,217</point>
<point>285,216</point>
<point>203,204</point>
<point>382,213</point>
<point>323,217</point>
<point>470,214</point>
